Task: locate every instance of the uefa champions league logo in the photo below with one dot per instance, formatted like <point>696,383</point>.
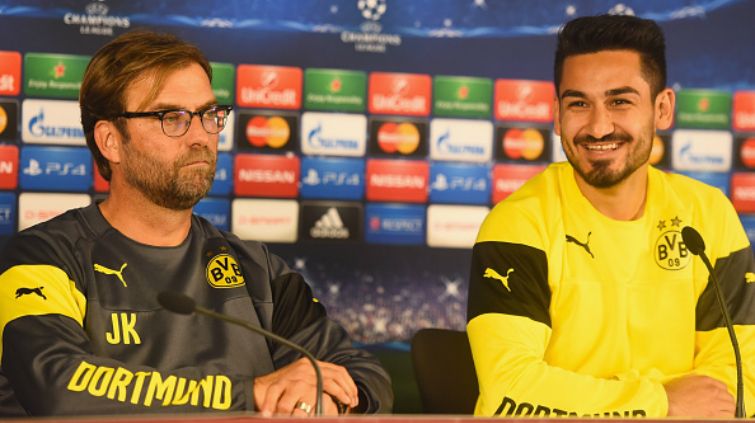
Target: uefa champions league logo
<point>372,9</point>
<point>621,9</point>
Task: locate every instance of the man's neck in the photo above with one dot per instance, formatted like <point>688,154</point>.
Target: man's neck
<point>138,218</point>
<point>623,201</point>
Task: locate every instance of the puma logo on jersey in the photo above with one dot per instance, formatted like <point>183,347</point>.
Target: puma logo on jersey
<point>28,291</point>
<point>492,274</point>
<point>749,277</point>
<point>585,245</point>
<point>118,273</point>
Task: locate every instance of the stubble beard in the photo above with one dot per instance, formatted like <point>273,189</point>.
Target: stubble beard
<point>600,175</point>
<point>170,185</point>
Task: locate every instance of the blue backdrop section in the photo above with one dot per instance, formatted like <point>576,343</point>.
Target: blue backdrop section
<point>7,214</point>
<point>709,42</point>
<point>55,168</point>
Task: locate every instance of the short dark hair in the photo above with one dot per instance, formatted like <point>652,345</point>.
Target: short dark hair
<point>119,63</point>
<point>591,34</point>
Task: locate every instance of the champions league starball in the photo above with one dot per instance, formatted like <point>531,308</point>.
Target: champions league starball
<point>372,9</point>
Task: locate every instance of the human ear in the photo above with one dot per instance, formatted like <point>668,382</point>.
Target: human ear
<point>556,117</point>
<point>108,140</point>
<point>664,109</point>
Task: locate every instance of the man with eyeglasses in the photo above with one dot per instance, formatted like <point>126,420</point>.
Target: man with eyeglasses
<point>82,331</point>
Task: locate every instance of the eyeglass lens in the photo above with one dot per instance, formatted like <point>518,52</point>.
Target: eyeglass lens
<point>177,123</point>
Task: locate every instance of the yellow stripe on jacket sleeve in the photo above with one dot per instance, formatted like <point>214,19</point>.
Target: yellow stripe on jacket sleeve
<point>35,290</point>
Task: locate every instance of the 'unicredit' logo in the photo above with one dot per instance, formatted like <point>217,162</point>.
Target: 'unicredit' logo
<point>271,98</point>
<point>397,102</point>
<point>532,111</point>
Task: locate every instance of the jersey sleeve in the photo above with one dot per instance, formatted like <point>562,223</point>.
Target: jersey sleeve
<point>732,258</point>
<point>54,369</point>
<point>300,317</point>
<point>509,329</point>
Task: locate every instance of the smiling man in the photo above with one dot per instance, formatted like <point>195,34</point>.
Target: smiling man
<point>82,331</point>
<point>605,312</point>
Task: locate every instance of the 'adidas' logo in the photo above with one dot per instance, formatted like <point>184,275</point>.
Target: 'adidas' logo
<point>329,225</point>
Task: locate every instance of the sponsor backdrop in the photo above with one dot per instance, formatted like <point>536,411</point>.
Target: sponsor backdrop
<point>369,138</point>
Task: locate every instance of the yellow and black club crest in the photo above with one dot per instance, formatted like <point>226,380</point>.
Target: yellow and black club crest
<point>223,271</point>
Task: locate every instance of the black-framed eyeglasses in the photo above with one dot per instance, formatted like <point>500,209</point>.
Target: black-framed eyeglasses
<point>176,122</point>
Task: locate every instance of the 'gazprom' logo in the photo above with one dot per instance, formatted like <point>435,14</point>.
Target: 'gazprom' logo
<point>458,183</point>
<point>701,150</point>
<point>37,128</point>
<point>332,178</point>
<point>461,140</point>
<point>334,134</point>
<point>50,122</point>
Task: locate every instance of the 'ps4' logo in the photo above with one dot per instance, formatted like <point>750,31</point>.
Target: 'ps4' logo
<point>332,178</point>
<point>459,183</point>
<point>55,168</point>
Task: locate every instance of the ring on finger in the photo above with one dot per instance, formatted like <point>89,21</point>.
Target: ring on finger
<point>303,406</point>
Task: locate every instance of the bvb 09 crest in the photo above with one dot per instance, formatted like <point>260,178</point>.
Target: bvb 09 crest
<point>224,272</point>
<point>670,251</point>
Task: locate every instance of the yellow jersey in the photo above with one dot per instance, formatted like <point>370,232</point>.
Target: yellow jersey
<point>573,313</point>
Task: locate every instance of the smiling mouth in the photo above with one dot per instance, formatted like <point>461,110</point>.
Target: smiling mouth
<point>601,147</point>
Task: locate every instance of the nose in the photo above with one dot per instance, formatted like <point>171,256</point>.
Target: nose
<point>197,134</point>
<point>601,123</point>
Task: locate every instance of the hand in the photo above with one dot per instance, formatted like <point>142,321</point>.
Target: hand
<point>281,391</point>
<point>699,396</point>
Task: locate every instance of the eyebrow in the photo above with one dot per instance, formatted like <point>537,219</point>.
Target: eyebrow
<point>621,91</point>
<point>609,93</point>
<point>168,106</point>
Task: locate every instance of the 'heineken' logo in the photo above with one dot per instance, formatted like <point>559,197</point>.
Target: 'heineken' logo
<point>335,85</point>
<point>59,70</point>
<point>463,92</point>
<point>704,104</point>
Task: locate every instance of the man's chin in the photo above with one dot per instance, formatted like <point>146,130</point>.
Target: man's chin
<point>600,175</point>
<point>188,197</point>
<point>183,203</point>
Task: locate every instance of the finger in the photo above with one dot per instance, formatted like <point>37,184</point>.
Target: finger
<point>724,397</point>
<point>270,404</point>
<point>335,390</point>
<point>329,407</point>
<point>347,382</point>
<point>339,376</point>
<point>288,402</point>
